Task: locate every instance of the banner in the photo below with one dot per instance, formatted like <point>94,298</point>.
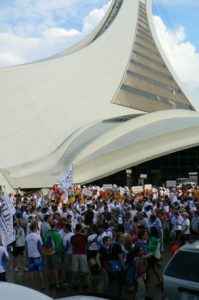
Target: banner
<point>148,186</point>
<point>137,189</point>
<point>66,180</point>
<point>87,192</point>
<point>107,186</point>
<point>171,183</point>
<point>7,211</point>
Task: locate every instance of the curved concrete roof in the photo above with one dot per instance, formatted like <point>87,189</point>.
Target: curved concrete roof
<point>109,146</point>
<point>57,112</point>
<point>141,139</point>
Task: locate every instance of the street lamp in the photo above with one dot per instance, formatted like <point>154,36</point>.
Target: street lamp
<point>129,178</point>
<point>142,177</point>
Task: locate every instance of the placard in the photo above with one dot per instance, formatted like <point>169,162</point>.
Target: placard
<point>107,187</point>
<point>148,187</point>
<point>87,192</point>
<point>137,189</point>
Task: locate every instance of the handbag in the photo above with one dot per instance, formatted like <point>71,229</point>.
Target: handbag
<point>93,266</point>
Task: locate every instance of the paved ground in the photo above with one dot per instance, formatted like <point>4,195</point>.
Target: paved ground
<point>22,278</point>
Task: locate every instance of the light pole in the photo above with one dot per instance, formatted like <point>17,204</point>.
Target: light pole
<point>142,177</point>
<point>129,178</point>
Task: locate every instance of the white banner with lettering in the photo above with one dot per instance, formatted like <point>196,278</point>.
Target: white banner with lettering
<point>87,192</point>
<point>7,211</point>
<point>137,189</point>
<point>66,180</point>
<point>107,187</point>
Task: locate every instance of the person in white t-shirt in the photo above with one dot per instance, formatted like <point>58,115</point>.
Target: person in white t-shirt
<point>176,222</point>
<point>33,248</point>
<point>101,230</point>
<point>4,256</point>
<point>68,252</point>
<point>19,246</point>
<point>186,225</point>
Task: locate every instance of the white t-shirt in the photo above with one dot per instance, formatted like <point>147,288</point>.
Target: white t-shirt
<point>67,242</point>
<point>20,237</point>
<point>33,242</point>
<point>176,221</point>
<point>3,255</point>
<point>92,242</point>
<point>100,238</point>
<point>62,233</point>
<point>186,224</point>
<point>95,217</point>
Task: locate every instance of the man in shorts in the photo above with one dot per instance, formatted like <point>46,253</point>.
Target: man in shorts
<point>33,248</point>
<point>68,252</point>
<point>79,257</point>
<point>54,261</point>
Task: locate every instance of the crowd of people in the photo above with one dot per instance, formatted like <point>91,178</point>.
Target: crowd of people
<point>109,241</point>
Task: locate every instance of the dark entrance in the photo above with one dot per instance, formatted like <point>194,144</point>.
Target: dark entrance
<point>158,170</point>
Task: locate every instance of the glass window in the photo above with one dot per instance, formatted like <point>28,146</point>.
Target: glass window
<point>143,93</point>
<point>155,82</point>
<point>149,50</point>
<point>148,35</point>
<point>146,39</point>
<point>149,69</point>
<point>149,58</point>
<point>184,265</point>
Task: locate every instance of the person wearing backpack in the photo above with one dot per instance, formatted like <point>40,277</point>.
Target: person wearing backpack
<point>103,262</point>
<point>53,249</point>
<point>140,273</point>
<point>68,252</point>
<point>117,265</point>
<point>129,274</point>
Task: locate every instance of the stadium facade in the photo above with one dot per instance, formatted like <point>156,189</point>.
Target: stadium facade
<point>108,103</point>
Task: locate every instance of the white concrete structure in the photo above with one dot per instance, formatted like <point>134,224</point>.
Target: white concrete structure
<point>101,105</point>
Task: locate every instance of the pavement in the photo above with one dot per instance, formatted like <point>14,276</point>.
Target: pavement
<point>21,277</point>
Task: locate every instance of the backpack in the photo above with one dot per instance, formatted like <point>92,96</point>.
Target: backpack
<point>49,246</point>
<point>115,265</point>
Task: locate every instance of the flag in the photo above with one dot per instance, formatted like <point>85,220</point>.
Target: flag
<point>7,211</point>
<point>66,180</point>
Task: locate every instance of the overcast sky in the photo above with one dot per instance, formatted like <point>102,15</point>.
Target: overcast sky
<point>34,29</point>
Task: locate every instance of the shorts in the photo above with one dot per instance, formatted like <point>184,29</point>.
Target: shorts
<point>153,261</point>
<point>68,262</point>
<point>79,263</point>
<point>35,264</point>
<point>18,251</point>
<point>54,261</point>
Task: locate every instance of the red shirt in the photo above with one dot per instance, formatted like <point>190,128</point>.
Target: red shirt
<point>79,243</point>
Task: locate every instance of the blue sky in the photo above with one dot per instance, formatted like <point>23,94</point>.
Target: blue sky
<point>34,29</point>
<point>177,13</point>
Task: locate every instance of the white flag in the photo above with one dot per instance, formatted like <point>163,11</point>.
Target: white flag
<point>7,211</point>
<point>66,180</point>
